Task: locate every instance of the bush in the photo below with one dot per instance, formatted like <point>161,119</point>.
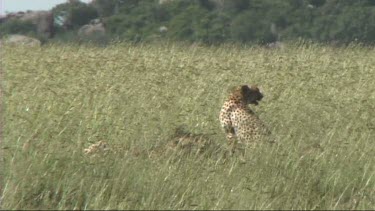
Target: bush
<point>17,27</point>
<point>135,21</point>
<point>105,8</point>
<point>217,21</point>
<point>74,14</point>
<point>248,27</point>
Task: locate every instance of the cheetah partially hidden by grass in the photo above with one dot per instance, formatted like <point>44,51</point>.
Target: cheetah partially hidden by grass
<point>182,142</point>
<point>239,122</point>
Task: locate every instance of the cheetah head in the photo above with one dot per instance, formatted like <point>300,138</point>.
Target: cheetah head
<point>251,95</point>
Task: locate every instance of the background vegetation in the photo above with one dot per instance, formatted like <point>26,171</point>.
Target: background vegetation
<point>217,21</point>
<point>59,99</point>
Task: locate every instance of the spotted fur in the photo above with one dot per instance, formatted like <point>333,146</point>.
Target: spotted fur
<point>238,121</point>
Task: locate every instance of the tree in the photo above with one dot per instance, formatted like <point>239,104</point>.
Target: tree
<point>107,8</point>
<point>74,14</point>
<point>136,20</point>
<point>249,27</point>
<point>215,21</point>
<point>17,27</point>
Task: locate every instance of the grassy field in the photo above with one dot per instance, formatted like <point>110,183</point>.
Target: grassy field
<point>57,100</point>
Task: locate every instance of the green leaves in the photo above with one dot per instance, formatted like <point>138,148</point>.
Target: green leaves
<point>17,27</point>
<point>74,14</point>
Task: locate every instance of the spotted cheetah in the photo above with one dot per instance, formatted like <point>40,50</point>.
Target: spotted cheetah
<point>238,121</point>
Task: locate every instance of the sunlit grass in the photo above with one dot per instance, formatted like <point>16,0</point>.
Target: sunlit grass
<point>319,103</point>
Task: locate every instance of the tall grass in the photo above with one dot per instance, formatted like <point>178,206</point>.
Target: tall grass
<point>319,103</point>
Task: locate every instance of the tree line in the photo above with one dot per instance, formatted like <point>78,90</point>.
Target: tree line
<point>217,21</point>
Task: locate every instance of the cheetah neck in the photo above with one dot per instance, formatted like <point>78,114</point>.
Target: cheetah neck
<point>239,104</point>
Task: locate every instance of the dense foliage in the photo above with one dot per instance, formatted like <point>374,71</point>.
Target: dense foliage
<point>74,14</point>
<point>260,21</point>
<point>217,21</point>
<point>17,27</point>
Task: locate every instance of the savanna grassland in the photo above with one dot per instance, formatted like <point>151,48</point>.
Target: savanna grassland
<point>59,99</point>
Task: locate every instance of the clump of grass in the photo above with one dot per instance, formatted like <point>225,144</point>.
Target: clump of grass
<point>58,100</point>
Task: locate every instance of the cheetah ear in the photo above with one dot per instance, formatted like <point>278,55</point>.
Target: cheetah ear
<point>244,88</point>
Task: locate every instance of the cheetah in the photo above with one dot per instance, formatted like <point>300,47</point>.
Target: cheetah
<point>100,146</point>
<point>239,122</point>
